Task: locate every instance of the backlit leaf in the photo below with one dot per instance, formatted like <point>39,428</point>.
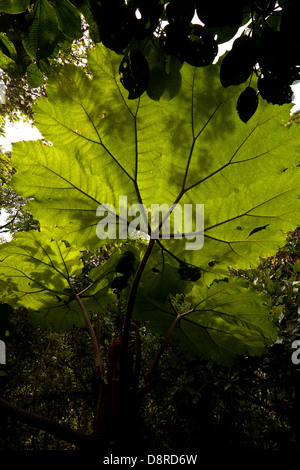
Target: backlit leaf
<point>111,152</point>
<point>195,150</point>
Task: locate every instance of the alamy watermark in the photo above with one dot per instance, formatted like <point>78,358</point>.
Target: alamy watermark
<point>2,93</point>
<point>157,221</point>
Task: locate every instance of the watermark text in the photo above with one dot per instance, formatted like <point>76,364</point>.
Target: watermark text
<point>157,221</point>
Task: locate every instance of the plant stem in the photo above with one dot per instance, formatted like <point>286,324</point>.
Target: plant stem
<point>128,317</point>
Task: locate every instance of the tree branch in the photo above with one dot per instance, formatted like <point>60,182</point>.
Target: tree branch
<point>153,368</point>
<point>124,357</point>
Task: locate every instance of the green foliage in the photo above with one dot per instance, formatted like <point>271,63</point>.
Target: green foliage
<point>18,218</point>
<point>14,6</point>
<point>33,34</point>
<point>6,312</point>
<point>190,138</point>
<point>40,31</point>
<point>263,53</point>
<point>278,277</point>
<point>41,37</point>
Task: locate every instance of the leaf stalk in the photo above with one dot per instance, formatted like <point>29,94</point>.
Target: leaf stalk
<point>124,362</point>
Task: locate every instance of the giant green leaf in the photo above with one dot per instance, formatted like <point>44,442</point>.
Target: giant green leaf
<point>36,272</point>
<point>220,322</point>
<point>192,149</point>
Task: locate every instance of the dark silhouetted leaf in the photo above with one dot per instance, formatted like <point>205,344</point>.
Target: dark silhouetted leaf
<point>275,90</point>
<point>258,229</point>
<point>134,72</point>
<point>192,44</point>
<point>14,6</point>
<point>238,64</point>
<point>114,22</point>
<point>198,48</point>
<point>171,39</point>
<point>247,104</point>
<point>224,33</point>
<point>289,24</point>
<point>277,56</point>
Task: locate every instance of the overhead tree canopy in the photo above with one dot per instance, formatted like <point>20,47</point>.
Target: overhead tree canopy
<point>34,34</point>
